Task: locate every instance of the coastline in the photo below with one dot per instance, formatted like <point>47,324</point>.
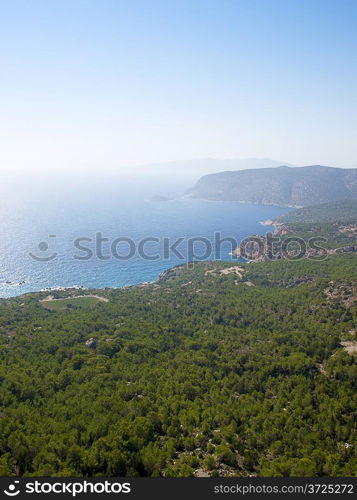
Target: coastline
<point>76,288</point>
<point>58,288</point>
<point>242,202</point>
<point>267,222</point>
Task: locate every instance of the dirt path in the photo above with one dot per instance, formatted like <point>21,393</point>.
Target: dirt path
<point>51,298</point>
<point>227,270</point>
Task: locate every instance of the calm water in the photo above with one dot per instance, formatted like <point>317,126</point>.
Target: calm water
<point>72,208</point>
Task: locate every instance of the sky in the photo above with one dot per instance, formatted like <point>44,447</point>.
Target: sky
<point>111,83</point>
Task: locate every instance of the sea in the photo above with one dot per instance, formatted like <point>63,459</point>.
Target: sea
<point>102,230</point>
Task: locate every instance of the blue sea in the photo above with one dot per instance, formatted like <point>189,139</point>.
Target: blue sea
<point>98,231</point>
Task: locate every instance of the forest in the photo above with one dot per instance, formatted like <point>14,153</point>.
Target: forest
<point>335,222</point>
<point>343,211</point>
<point>214,370</point>
<point>313,232</point>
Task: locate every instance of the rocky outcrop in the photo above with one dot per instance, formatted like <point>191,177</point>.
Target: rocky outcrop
<point>92,343</point>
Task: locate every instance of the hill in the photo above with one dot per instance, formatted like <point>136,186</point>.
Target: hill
<point>284,186</point>
<point>339,212</point>
<point>334,222</point>
<point>214,370</point>
<point>316,231</point>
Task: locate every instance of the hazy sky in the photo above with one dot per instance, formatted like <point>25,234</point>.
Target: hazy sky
<point>114,82</point>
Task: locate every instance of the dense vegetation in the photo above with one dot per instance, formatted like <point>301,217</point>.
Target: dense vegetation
<point>314,232</point>
<point>335,223</point>
<point>200,373</point>
<point>339,212</point>
<point>298,186</point>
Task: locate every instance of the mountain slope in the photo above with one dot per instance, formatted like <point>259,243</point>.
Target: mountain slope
<point>343,212</point>
<point>286,186</point>
<point>333,225</point>
<point>205,369</point>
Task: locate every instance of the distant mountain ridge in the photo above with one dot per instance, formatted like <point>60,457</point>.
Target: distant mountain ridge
<point>283,186</point>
